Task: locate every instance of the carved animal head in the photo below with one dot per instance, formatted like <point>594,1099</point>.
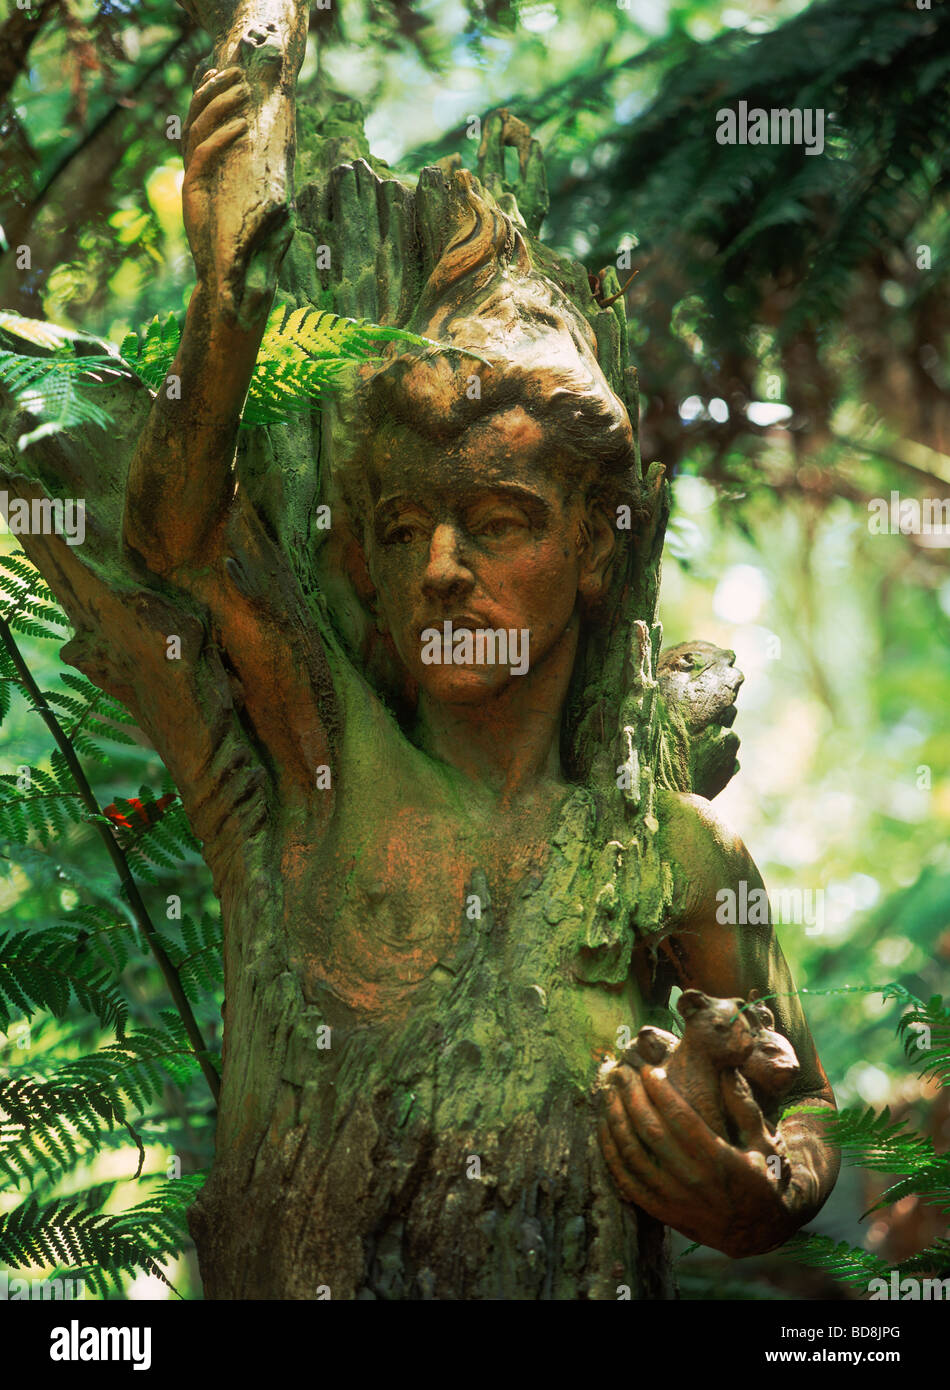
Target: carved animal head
<point>772,1065</point>
<point>717,1027</point>
<point>652,1045</point>
<point>699,683</point>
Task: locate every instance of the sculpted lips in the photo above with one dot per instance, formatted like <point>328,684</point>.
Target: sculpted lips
<point>459,622</point>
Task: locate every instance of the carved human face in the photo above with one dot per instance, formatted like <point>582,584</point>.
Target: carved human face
<point>482,534</point>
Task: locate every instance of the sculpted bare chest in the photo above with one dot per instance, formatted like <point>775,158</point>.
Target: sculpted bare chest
<point>396,892</point>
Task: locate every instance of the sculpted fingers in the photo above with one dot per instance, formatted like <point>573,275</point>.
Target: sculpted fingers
<point>211,85</point>
<point>211,149</point>
<point>687,1127</point>
<point>633,1151</point>
<point>644,1140</point>
<point>615,1163</point>
<point>677,1146</point>
<point>630,1184</point>
<point>211,118</point>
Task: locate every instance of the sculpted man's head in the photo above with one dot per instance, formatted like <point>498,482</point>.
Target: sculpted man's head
<point>485,493</point>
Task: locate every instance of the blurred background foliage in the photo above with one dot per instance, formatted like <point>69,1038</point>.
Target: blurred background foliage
<point>789,319</point>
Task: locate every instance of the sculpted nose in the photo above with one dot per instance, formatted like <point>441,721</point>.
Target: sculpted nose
<point>446,573</point>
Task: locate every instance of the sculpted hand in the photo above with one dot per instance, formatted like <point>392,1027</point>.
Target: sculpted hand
<point>663,1156</point>
<point>215,121</point>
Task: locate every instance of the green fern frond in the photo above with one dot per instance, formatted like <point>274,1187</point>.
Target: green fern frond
<point>96,1247</point>
<point>37,332</point>
<point>874,1140</point>
<point>100,933</point>
<point>197,955</point>
<point>839,1259</point>
<point>18,574</point>
<point>925,1035</point>
<point>930,1182</point>
<point>30,814</point>
<point>46,970</point>
<point>151,351</point>
<point>45,1118</point>
<point>933,1259</point>
<point>28,605</point>
<point>57,390</point>
<point>303,352</point>
<point>30,627</point>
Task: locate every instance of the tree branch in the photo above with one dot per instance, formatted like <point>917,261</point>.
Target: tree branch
<point>91,135</point>
<point>16,38</point>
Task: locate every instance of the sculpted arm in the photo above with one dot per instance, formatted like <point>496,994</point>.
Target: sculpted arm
<point>661,1153</point>
<point>734,960</point>
<point>237,147</point>
<point>182,516</point>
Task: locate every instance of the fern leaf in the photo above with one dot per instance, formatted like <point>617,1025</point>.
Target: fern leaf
<point>46,970</point>
<point>93,1246</point>
<point>57,390</point>
<point>840,1260</point>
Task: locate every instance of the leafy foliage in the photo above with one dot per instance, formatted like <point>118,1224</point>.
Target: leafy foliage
<point>197,955</point>
<point>303,352</point>
<point>29,606</point>
<point>99,1248</point>
<point>876,1142</point>
<point>46,969</point>
<point>57,1114</point>
<point>58,387</point>
<point>849,1264</point>
<point>761,265</point>
<point>925,1033</point>
<point>51,1121</point>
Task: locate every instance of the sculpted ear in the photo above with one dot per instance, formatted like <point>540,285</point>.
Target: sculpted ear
<point>691,1001</point>
<point>599,541</point>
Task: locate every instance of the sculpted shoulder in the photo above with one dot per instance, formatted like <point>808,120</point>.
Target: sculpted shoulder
<point>706,854</point>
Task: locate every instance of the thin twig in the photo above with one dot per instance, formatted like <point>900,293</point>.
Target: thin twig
<point>120,862</point>
<point>606,303</point>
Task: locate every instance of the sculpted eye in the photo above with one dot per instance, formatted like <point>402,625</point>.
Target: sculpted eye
<point>404,534</point>
<point>499,525</point>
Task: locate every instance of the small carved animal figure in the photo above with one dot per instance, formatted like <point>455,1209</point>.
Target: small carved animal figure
<point>772,1066</point>
<point>653,1045</point>
<point>698,685</point>
<point>720,1034</point>
<point>717,1035</point>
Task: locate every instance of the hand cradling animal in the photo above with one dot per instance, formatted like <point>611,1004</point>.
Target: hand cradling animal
<point>720,1036</point>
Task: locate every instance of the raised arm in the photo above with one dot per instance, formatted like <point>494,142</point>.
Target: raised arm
<point>238,145</point>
